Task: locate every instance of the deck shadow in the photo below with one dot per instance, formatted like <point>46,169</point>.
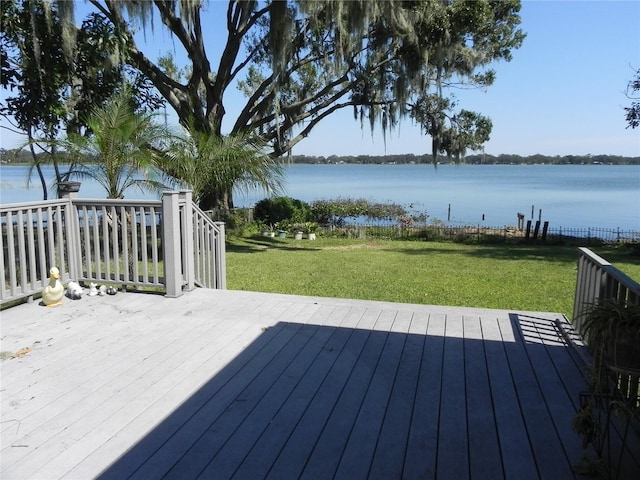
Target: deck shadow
<point>331,402</point>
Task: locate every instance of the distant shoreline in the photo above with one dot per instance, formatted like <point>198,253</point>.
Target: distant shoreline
<point>617,161</point>
<point>410,159</point>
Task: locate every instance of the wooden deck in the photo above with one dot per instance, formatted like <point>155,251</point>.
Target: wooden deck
<point>225,384</point>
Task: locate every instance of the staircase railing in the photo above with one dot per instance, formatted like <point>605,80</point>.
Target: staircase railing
<point>209,251</point>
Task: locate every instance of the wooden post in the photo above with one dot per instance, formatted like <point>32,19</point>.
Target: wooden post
<point>528,229</point>
<point>188,255</point>
<point>72,227</point>
<point>545,227</point>
<point>221,265</point>
<point>536,229</point>
<point>171,244</point>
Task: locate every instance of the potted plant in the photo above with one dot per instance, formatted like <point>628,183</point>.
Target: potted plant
<point>310,229</point>
<point>68,187</point>
<point>281,227</point>
<point>298,230</point>
<point>267,231</point>
<point>612,330</point>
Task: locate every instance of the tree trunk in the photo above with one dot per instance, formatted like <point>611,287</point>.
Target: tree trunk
<point>43,182</point>
<point>217,199</point>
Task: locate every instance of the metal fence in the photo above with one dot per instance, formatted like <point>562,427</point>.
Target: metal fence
<point>582,236</point>
<point>540,231</point>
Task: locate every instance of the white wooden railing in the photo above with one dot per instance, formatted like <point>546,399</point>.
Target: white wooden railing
<point>167,244</point>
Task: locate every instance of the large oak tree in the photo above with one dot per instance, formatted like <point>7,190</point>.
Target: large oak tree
<point>299,61</point>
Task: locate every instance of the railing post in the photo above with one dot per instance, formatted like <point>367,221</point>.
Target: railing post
<point>221,264</point>
<point>188,256</point>
<point>171,243</point>
<point>72,226</point>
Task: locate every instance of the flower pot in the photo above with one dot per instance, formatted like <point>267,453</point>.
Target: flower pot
<point>622,354</point>
<point>267,233</point>
<point>68,187</point>
<point>312,236</point>
<point>298,236</point>
<point>282,234</point>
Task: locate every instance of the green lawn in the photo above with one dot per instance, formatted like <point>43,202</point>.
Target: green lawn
<point>523,277</point>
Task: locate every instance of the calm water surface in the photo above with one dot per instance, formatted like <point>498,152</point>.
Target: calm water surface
<point>571,196</point>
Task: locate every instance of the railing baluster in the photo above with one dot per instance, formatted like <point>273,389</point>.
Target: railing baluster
<point>42,258</point>
<point>88,258</point>
<point>135,249</point>
<point>95,228</point>
<point>13,281</point>
<point>51,240</point>
<point>31,253</point>
<point>106,248</point>
<point>115,242</point>
<point>154,244</point>
<point>124,235</point>
<point>22,255</point>
<point>3,278</point>
<point>65,246</point>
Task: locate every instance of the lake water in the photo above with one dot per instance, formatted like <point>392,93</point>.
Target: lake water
<point>568,196</point>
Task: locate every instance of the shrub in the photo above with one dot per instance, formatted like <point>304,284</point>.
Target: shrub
<point>334,212</point>
<point>271,211</point>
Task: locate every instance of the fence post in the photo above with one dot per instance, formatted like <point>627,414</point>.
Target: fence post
<point>171,244</point>
<point>188,259</point>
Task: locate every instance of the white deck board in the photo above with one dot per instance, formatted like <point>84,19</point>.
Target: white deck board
<point>225,384</point>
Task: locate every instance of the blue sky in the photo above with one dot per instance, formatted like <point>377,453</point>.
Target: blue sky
<point>562,94</point>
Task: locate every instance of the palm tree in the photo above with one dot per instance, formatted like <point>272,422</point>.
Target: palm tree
<point>123,148</point>
<point>212,166</point>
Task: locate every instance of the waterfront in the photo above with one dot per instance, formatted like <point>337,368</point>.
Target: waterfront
<point>569,196</point>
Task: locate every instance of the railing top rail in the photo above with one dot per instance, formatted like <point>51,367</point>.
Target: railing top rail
<point>612,271</point>
<point>202,214</point>
<point>116,202</point>
<point>9,207</point>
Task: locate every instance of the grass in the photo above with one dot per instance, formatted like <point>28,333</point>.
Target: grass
<point>522,277</point>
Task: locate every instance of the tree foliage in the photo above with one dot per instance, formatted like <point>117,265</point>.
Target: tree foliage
<point>53,85</point>
<point>300,61</point>
<point>125,148</point>
<point>212,166</point>
<point>56,73</point>
<point>633,92</point>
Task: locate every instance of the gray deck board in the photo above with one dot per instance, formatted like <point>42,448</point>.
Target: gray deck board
<point>484,457</point>
<point>517,457</point>
<point>422,447</point>
<point>224,384</point>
